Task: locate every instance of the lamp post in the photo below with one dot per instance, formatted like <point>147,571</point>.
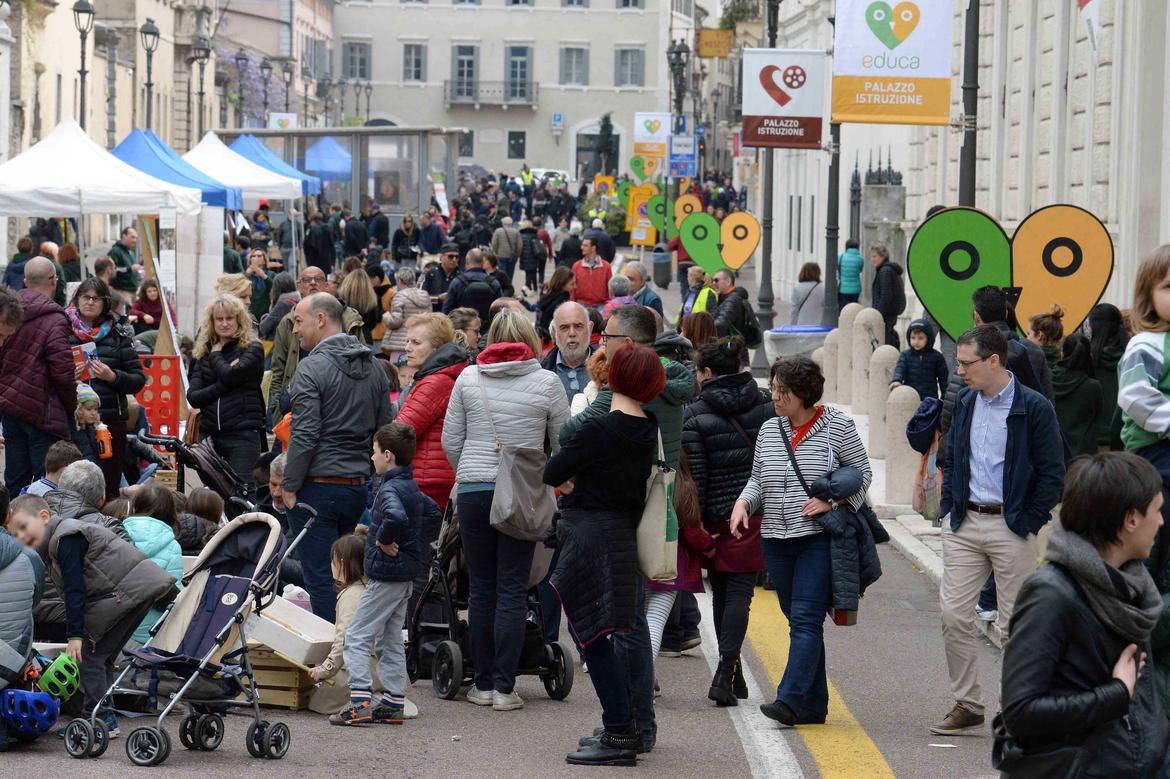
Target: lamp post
<point>967,158</point>
<point>266,72</point>
<point>830,315</point>
<point>201,50</point>
<point>288,70</point>
<point>357,98</point>
<point>765,298</point>
<point>678,56</point>
<point>307,80</point>
<point>241,65</point>
<point>149,34</point>
<point>369,89</point>
<point>83,14</point>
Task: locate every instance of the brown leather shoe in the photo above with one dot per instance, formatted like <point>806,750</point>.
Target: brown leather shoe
<point>958,721</point>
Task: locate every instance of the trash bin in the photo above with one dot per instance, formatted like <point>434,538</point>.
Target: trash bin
<point>792,340</point>
<point>661,259</point>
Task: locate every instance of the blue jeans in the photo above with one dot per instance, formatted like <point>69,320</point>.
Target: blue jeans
<point>608,674</point>
<point>550,604</point>
<point>633,651</point>
<point>497,608</point>
<point>338,508</point>
<point>801,570</point>
<point>25,447</point>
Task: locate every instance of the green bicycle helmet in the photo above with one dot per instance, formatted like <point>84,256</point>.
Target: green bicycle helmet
<point>60,678</point>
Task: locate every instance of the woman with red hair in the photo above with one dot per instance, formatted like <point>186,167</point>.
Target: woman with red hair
<point>597,575</point>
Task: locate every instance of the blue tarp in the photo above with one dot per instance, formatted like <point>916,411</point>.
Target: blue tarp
<point>329,159</point>
<point>145,151</point>
<point>254,149</point>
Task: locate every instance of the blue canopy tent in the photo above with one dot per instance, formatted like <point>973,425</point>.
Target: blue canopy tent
<point>144,151</point>
<point>328,159</point>
<point>254,149</point>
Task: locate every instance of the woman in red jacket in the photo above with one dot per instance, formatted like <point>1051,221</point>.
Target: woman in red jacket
<point>437,360</point>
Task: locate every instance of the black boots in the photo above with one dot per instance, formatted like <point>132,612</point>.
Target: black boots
<point>738,683</point>
<point>721,691</point>
<point>611,748</point>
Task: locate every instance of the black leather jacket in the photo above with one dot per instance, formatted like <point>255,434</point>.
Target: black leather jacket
<point>1058,685</point>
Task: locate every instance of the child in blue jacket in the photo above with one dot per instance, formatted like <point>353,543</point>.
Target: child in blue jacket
<point>921,366</point>
<point>393,555</point>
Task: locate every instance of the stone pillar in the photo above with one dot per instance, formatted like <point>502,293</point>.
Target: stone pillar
<point>868,333</point>
<point>901,460</point>
<point>818,356</point>
<point>845,350</point>
<point>881,366</point>
<point>832,343</point>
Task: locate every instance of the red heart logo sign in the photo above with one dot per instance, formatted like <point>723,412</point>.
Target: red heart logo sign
<point>774,92</point>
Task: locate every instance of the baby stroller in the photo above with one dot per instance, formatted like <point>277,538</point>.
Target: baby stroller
<point>438,646</point>
<point>214,472</point>
<point>231,580</point>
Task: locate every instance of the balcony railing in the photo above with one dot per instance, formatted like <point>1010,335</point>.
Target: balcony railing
<point>478,93</point>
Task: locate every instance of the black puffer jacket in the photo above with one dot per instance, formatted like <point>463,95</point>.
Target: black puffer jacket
<point>853,536</point>
<point>193,533</point>
<point>719,457</point>
<point>117,351</point>
<point>225,386</point>
<point>926,370</point>
<point>1058,685</point>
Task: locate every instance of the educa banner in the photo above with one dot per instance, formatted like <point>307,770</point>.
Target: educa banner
<point>892,62</point>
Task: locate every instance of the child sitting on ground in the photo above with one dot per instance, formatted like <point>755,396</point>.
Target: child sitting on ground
<point>392,557</point>
<point>109,586</point>
<point>921,366</point>
<point>60,455</point>
<point>88,416</point>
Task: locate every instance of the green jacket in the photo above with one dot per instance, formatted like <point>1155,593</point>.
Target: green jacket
<point>126,278</point>
<point>286,354</point>
<point>667,408</point>
<point>1080,408</point>
<point>231,260</point>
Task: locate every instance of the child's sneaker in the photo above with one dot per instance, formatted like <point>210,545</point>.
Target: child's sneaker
<point>385,714</point>
<point>112,724</point>
<point>353,714</point>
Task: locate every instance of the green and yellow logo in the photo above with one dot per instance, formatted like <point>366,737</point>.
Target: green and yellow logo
<point>892,26</point>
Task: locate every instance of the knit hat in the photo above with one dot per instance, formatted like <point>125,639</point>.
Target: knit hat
<point>86,394</point>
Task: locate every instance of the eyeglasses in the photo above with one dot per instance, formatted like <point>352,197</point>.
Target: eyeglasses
<point>312,280</point>
<point>969,363</point>
<point>607,336</point>
<point>90,299</point>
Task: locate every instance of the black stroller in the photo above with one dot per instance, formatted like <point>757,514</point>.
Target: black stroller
<point>214,472</point>
<point>438,646</point>
<point>231,582</point>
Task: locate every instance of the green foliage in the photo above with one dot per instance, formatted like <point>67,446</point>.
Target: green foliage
<point>738,11</point>
<point>607,146</point>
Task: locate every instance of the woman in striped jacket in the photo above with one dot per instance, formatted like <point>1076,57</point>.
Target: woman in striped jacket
<point>796,546</point>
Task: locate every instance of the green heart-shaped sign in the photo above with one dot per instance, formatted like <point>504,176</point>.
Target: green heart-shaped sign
<point>623,192</point>
<point>700,235</point>
<point>638,165</point>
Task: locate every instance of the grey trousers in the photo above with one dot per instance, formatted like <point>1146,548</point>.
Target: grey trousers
<point>97,658</point>
<point>377,625</point>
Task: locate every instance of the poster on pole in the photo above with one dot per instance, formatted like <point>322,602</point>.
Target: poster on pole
<point>783,98</point>
<point>651,134</point>
<point>892,62</point>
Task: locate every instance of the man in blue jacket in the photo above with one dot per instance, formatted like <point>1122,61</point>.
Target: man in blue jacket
<point>999,487</point>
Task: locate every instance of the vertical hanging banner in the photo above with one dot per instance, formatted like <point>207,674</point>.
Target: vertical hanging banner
<point>783,98</point>
<point>892,62</point>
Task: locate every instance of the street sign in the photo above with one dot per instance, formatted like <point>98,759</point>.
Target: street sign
<point>684,156</point>
<point>682,123</point>
<point>701,130</point>
<point>558,122</point>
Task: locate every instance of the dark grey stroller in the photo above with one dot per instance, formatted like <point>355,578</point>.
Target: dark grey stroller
<point>232,578</point>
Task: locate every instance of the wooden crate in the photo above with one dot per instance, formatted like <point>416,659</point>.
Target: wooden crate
<point>280,681</point>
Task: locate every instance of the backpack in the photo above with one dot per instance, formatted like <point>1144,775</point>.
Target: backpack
<point>752,336</point>
<point>478,294</point>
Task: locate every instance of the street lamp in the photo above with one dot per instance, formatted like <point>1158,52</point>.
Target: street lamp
<point>307,80</point>
<point>201,51</point>
<point>241,65</point>
<point>83,14</point>
<point>369,88</point>
<point>679,57</point>
<point>340,85</point>
<point>357,97</point>
<point>266,72</point>
<point>150,35</point>
<point>288,70</point>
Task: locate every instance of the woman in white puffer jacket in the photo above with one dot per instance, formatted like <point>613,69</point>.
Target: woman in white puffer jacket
<point>527,406</point>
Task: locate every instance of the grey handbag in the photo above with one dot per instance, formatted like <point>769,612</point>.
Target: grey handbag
<point>523,505</point>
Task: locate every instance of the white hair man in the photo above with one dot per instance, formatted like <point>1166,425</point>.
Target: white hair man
<point>635,271</point>
<point>571,329</point>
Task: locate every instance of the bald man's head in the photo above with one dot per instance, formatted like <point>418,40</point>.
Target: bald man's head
<point>41,276</point>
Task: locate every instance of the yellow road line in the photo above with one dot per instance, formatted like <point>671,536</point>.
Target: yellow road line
<point>841,747</point>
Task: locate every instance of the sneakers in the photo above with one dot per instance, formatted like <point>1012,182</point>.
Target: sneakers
<point>353,714</point>
<point>112,725</point>
<point>690,642</point>
<point>385,714</point>
<point>506,701</point>
<point>986,615</point>
<point>960,719</point>
<point>480,697</point>
<point>409,709</point>
<point>783,713</point>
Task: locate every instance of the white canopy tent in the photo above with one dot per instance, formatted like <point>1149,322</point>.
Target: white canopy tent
<point>215,159</point>
<point>68,174</point>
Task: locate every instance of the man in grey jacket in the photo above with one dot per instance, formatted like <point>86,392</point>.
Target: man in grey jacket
<point>506,246</point>
<point>340,397</point>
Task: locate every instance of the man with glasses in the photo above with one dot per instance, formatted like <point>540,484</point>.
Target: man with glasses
<point>999,487</point>
<point>286,351</point>
<point>38,390</point>
<point>437,280</point>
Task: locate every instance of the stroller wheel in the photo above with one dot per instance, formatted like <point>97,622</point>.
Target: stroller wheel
<point>558,680</point>
<point>187,730</point>
<point>209,732</point>
<point>447,670</point>
<point>79,738</point>
<point>255,738</point>
<point>101,739</point>
<point>412,662</point>
<point>148,746</point>
<point>277,739</point>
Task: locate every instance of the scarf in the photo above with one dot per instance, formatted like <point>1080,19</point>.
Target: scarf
<point>84,332</point>
<point>1125,599</point>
